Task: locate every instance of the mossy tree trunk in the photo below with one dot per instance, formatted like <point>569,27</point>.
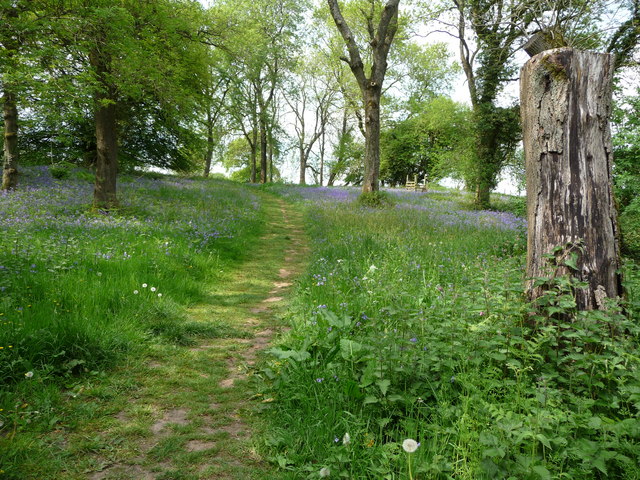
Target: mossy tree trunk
<point>565,104</point>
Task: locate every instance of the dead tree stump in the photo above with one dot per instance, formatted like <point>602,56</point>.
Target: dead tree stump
<point>565,99</point>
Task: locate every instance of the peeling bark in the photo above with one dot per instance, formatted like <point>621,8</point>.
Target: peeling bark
<point>566,104</point>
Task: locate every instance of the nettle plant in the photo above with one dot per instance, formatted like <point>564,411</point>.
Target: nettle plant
<point>580,401</point>
<point>471,371</point>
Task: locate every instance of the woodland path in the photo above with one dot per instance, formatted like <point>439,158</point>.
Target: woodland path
<point>188,413</point>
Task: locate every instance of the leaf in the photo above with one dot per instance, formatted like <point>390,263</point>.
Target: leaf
<point>542,472</point>
<point>296,355</point>
<point>348,348</point>
<point>369,399</point>
<point>543,440</point>
<point>572,261</point>
<point>384,385</point>
<point>395,398</point>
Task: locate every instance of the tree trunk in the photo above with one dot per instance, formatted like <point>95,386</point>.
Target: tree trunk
<point>303,165</point>
<point>271,162</point>
<point>209,155</point>
<point>263,152</point>
<point>372,140</point>
<point>254,155</point>
<point>10,172</point>
<point>322,148</point>
<point>566,103</point>
<point>104,193</point>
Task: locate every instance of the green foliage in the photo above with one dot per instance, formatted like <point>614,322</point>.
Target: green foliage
<point>60,171</point>
<point>498,132</point>
<point>375,200</point>
<point>408,326</point>
<point>436,142</point>
<point>626,171</point>
<point>626,154</point>
<point>349,155</point>
<point>630,227</point>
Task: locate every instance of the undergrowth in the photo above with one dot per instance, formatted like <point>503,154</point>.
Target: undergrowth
<point>411,324</point>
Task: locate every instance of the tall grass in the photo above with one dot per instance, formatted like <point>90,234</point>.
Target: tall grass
<point>411,323</point>
<point>78,288</point>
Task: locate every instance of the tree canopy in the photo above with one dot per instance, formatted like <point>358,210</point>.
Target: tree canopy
<point>342,90</point>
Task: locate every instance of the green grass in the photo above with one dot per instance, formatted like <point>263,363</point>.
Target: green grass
<point>411,323</point>
<point>87,300</point>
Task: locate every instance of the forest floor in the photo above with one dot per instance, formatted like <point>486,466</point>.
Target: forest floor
<point>188,412</point>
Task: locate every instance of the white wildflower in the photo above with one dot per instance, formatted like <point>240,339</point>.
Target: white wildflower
<point>135,292</point>
<point>346,440</point>
<point>324,472</point>
<point>153,289</point>
<point>28,374</point>
<point>144,285</point>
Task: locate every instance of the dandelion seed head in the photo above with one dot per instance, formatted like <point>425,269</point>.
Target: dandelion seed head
<point>410,445</point>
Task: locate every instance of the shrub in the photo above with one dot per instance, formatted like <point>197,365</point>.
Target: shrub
<point>60,172</point>
<point>375,200</point>
<point>630,227</point>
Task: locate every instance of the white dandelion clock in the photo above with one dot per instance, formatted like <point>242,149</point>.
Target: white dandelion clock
<point>410,445</point>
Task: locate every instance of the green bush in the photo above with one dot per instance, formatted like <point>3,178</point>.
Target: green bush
<point>630,228</point>
<point>60,172</point>
<point>375,200</point>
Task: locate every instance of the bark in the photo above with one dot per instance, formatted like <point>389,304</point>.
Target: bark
<point>303,164</point>
<point>566,104</point>
<point>271,162</point>
<point>10,171</point>
<point>104,193</point>
<point>322,150</point>
<point>263,153</point>
<point>372,140</point>
<point>252,140</point>
<point>210,143</point>
<point>11,43</point>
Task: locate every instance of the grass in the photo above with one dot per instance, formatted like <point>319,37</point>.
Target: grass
<point>411,324</point>
<point>104,378</point>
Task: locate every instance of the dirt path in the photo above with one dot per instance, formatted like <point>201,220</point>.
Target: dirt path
<point>187,412</point>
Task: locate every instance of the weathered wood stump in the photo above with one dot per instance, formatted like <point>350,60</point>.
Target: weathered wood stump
<point>565,99</point>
